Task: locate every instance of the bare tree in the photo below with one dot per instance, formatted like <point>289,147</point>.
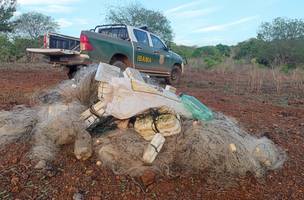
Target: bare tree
<point>34,24</point>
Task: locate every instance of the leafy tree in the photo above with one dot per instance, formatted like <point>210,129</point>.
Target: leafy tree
<point>278,43</point>
<point>32,25</point>
<point>137,15</point>
<point>198,52</point>
<point>281,29</point>
<point>285,52</point>
<point>20,45</point>
<point>211,55</point>
<point>224,49</point>
<point>7,9</point>
<point>207,51</point>
<point>13,49</point>
<point>184,51</point>
<point>274,53</point>
<point>248,49</point>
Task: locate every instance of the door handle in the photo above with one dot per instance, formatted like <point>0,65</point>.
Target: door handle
<point>139,48</point>
<point>156,52</point>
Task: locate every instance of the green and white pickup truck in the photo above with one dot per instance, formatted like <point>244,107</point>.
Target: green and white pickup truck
<point>123,46</point>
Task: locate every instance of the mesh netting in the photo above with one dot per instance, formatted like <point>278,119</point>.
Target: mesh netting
<point>59,122</point>
<point>55,121</point>
<point>221,146</point>
<point>57,125</point>
<point>218,147</point>
<point>19,122</point>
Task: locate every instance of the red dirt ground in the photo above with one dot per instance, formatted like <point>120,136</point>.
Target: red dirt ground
<point>261,114</point>
<point>17,86</point>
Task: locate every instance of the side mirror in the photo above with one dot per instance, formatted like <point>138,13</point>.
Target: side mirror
<point>169,45</point>
<point>166,48</point>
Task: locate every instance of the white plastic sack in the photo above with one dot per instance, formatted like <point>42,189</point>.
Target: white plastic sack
<point>106,72</point>
<point>132,97</point>
<point>134,74</point>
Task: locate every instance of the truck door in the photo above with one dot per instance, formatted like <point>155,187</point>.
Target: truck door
<point>161,50</point>
<point>144,57</point>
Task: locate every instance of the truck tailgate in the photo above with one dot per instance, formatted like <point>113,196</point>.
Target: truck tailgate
<point>53,52</point>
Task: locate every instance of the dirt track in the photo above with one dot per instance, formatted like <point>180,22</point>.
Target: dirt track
<point>261,114</point>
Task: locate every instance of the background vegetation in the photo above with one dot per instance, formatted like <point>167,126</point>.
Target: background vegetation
<point>278,44</point>
<point>136,15</point>
<point>19,33</point>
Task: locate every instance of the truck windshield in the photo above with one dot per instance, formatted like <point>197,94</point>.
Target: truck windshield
<point>141,37</point>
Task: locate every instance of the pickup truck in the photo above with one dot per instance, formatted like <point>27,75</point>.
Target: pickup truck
<point>120,45</point>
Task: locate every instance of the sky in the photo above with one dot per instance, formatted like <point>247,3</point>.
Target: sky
<point>194,22</point>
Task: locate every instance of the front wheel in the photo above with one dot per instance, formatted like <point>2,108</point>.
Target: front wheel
<point>175,76</point>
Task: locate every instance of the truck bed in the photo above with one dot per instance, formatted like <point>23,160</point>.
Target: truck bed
<point>61,49</point>
<point>59,41</point>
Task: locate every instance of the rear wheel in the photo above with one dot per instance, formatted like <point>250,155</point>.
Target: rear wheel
<point>175,76</point>
<point>72,71</point>
<point>120,65</point>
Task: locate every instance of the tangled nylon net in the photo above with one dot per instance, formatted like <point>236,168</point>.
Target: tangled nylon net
<point>218,147</point>
<point>55,120</point>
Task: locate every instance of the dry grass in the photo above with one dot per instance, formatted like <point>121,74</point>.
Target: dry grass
<point>243,78</point>
<point>196,63</point>
<point>297,79</point>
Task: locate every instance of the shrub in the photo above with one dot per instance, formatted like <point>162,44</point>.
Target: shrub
<point>6,49</point>
<point>210,62</point>
<point>14,49</point>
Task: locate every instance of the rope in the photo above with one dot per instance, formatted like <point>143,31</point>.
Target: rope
<point>155,116</point>
<point>155,148</point>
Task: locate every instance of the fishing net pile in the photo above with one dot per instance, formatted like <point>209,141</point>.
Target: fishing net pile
<point>55,120</point>
<point>218,146</point>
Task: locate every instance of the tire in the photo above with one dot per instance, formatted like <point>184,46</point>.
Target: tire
<point>175,76</point>
<point>72,71</point>
<point>120,65</point>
